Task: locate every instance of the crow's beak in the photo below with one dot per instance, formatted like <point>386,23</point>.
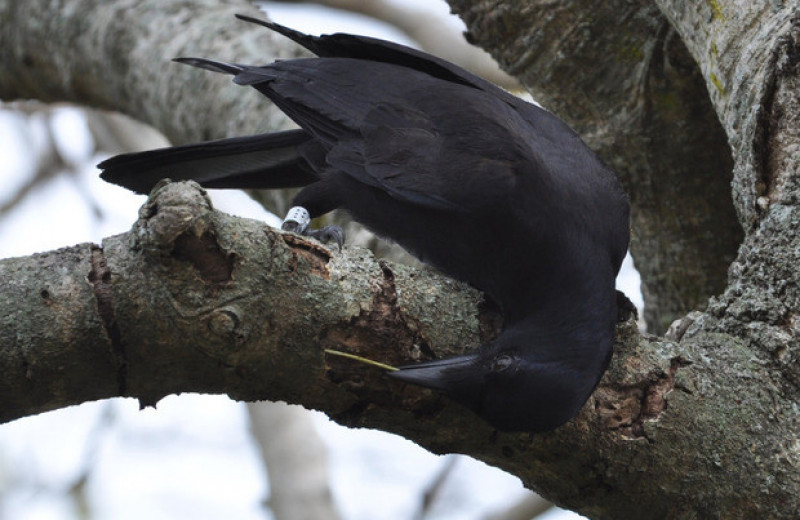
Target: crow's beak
<point>447,375</point>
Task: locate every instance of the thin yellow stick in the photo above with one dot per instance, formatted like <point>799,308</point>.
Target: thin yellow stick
<point>359,358</point>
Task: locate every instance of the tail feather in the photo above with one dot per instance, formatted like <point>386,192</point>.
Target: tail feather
<point>212,65</point>
<point>306,40</point>
<point>266,161</point>
<point>343,45</point>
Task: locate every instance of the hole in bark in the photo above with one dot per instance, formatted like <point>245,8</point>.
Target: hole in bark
<point>315,256</point>
<point>205,254</point>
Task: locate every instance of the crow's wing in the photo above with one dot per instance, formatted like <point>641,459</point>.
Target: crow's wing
<point>421,139</point>
<point>343,45</point>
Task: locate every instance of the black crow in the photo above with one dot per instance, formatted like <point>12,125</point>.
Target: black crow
<point>472,180</point>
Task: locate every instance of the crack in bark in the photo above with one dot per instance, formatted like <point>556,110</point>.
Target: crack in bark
<point>625,409</point>
<point>384,333</point>
<point>386,299</point>
<point>100,279</point>
<point>783,61</point>
<point>761,140</point>
<point>315,255</point>
<point>385,323</point>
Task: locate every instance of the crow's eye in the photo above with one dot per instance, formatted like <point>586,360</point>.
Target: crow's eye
<point>501,363</point>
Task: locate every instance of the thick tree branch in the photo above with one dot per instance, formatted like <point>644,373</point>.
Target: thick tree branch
<point>740,46</point>
<point>195,300</point>
<point>192,300</point>
<point>113,56</point>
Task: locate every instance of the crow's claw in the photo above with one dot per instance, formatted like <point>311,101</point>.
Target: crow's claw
<point>326,234</point>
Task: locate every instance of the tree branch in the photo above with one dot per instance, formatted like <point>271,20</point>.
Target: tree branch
<point>192,300</point>
<point>195,300</point>
<point>110,56</point>
<point>740,47</point>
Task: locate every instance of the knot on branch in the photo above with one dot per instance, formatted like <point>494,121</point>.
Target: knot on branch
<point>177,221</point>
<point>171,210</point>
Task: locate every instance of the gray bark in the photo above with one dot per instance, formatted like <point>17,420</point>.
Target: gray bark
<point>700,423</point>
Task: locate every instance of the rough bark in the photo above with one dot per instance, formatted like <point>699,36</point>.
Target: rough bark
<point>701,423</point>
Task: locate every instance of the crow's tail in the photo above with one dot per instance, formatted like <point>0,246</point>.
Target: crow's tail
<point>266,161</point>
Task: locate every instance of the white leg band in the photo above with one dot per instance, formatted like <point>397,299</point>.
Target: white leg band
<point>297,219</point>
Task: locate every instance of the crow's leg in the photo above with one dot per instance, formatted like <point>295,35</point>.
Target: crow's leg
<point>312,201</point>
<point>297,220</point>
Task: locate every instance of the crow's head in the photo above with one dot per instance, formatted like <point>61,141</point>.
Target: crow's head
<point>514,386</point>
